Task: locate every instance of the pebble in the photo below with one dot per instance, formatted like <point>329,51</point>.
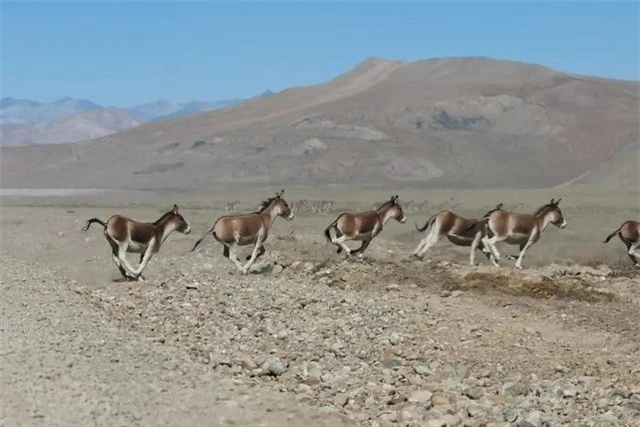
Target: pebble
<point>341,399</point>
<point>420,396</point>
<point>275,367</point>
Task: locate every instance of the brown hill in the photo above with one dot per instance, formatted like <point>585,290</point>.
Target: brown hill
<point>621,170</point>
<point>454,122</point>
<point>72,128</point>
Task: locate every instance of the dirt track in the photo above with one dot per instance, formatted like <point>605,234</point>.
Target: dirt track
<point>387,340</point>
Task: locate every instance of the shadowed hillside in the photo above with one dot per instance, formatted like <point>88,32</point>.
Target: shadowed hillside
<point>454,122</point>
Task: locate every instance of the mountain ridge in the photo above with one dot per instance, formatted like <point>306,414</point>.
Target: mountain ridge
<point>440,122</point>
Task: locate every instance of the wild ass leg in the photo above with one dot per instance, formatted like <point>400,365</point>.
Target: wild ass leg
<point>261,252</point>
<point>234,258</point>
<point>339,242</point>
<point>489,243</point>
<point>523,249</point>
<point>430,240</point>
<point>362,248</point>
<point>146,256</point>
<point>474,246</point>
<point>254,254</point>
<point>634,253</point>
<point>122,256</point>
<point>114,257</point>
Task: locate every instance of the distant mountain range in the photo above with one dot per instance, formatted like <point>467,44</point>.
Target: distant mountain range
<point>436,123</point>
<point>25,121</point>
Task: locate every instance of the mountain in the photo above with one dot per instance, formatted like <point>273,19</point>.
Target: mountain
<point>620,170</point>
<point>89,124</point>
<point>444,122</point>
<point>163,109</point>
<point>17,111</point>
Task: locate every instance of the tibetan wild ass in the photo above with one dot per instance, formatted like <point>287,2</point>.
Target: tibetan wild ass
<point>127,235</point>
<point>363,226</point>
<point>518,229</point>
<point>629,233</point>
<point>248,229</point>
<point>458,230</point>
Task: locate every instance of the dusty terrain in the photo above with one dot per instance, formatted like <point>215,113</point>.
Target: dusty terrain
<point>309,337</point>
<point>441,122</point>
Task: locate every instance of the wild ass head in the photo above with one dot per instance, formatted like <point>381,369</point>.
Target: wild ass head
<point>396,210</point>
<point>173,218</point>
<point>278,206</point>
<point>553,212</point>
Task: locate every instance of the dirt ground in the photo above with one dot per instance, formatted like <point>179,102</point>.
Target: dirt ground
<point>310,338</point>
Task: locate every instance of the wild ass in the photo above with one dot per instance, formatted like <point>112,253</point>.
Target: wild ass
<point>248,229</point>
<point>629,233</point>
<point>518,229</point>
<point>363,226</point>
<point>128,235</point>
<point>458,230</point>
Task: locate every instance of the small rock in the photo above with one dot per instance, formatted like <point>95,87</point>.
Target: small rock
<point>392,362</point>
<point>422,370</point>
<point>247,362</point>
<point>456,293</point>
<point>438,399</point>
<point>277,269</point>
<point>393,287</point>
<point>474,393</point>
<point>484,373</point>
<point>452,420</point>
<point>341,399</point>
<point>420,396</point>
<point>534,419</point>
<point>394,338</point>
<point>275,367</point>
<point>510,415</point>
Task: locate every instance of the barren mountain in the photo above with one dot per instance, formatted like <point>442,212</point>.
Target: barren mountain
<point>453,122</point>
<point>621,170</point>
<point>76,127</point>
<point>21,111</point>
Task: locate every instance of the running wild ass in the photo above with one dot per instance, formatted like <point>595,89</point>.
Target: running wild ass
<point>363,226</point>
<point>248,229</point>
<point>518,229</point>
<point>458,230</point>
<point>128,235</point>
<point>629,233</point>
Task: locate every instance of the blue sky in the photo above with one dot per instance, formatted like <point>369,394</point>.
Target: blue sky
<point>126,53</point>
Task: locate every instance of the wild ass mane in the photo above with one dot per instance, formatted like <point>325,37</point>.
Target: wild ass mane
<point>265,204</point>
<point>542,209</point>
<point>162,218</point>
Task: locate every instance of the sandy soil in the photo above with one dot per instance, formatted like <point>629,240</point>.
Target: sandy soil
<point>309,337</point>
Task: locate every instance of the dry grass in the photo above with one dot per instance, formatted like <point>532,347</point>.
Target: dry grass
<point>544,288</point>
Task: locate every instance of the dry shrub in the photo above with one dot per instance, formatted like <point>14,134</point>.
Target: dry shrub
<point>544,288</point>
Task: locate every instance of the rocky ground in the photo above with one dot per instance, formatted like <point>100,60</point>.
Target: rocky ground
<point>311,338</point>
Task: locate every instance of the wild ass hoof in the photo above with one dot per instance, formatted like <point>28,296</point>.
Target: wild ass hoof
<point>339,250</point>
<point>519,267</point>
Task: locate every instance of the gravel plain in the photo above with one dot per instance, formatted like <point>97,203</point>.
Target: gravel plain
<point>308,338</point>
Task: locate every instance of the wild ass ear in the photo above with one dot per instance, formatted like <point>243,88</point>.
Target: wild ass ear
<point>558,201</point>
<point>175,209</point>
<point>280,193</point>
<point>499,206</point>
<point>394,198</point>
<point>552,202</point>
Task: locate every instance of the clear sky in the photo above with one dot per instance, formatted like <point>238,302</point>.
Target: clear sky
<point>121,54</point>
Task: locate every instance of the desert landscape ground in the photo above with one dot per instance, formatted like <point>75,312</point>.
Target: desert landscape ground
<point>310,338</point>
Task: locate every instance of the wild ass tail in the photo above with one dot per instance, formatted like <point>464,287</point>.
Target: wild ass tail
<point>206,233</point>
<point>612,234</point>
<point>327,231</point>
<point>427,224</point>
<point>91,221</point>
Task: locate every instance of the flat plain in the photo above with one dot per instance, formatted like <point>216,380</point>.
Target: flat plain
<point>309,337</point>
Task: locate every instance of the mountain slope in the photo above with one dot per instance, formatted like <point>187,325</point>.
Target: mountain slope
<point>76,127</point>
<point>443,122</point>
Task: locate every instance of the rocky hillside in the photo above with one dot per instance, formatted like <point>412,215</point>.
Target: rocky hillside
<point>453,122</point>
